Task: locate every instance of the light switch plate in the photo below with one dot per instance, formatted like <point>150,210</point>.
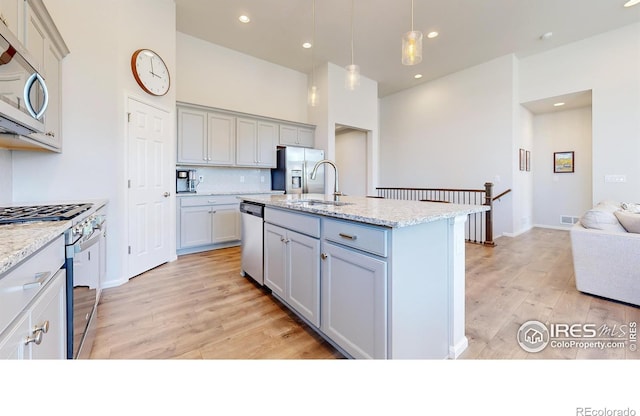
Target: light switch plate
<point>615,178</point>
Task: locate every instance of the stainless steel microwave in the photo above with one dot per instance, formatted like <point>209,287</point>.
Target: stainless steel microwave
<point>23,91</point>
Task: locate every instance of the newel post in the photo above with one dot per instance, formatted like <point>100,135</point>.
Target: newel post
<point>488,215</point>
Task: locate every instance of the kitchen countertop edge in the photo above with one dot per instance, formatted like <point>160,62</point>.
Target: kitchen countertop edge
<point>390,213</point>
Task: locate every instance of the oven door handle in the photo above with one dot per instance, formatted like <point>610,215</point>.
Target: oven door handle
<point>85,245</point>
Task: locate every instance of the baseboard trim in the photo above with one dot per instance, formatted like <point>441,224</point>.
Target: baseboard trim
<point>458,348</point>
<point>553,227</point>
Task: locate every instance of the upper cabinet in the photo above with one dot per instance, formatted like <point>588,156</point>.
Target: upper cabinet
<point>205,138</point>
<point>33,26</point>
<point>12,15</point>
<point>292,135</point>
<point>213,137</point>
<point>256,143</point>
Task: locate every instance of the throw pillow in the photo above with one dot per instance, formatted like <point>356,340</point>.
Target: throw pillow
<point>630,221</point>
<point>631,207</point>
<point>601,218</point>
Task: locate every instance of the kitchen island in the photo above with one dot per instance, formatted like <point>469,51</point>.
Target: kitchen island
<point>378,278</point>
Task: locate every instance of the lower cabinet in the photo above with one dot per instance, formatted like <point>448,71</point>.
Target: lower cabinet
<point>40,332</point>
<point>354,301</point>
<point>292,269</point>
<point>205,222</point>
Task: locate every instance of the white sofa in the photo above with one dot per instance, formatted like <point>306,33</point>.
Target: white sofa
<point>606,258</point>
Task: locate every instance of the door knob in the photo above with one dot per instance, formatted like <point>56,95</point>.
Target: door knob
<point>166,194</point>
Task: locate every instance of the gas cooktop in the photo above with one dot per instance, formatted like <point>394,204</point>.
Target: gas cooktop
<point>61,212</point>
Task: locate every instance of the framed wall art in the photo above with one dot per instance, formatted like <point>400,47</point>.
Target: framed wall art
<point>563,162</point>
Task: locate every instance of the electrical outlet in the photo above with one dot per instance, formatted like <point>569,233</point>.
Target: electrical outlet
<point>241,179</point>
<point>200,178</point>
<point>262,179</point>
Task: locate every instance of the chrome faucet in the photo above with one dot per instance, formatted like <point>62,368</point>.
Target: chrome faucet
<point>336,191</point>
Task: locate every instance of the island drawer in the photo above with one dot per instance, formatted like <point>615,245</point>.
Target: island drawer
<point>20,285</point>
<point>197,201</point>
<point>362,237</point>
<point>302,223</point>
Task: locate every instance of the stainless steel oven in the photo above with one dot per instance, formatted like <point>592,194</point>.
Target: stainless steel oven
<point>85,264</point>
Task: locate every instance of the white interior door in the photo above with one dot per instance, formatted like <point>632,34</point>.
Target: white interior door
<point>149,187</point>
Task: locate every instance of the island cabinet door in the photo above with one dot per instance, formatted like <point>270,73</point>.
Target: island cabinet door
<point>275,259</point>
<point>354,301</point>
<point>303,277</point>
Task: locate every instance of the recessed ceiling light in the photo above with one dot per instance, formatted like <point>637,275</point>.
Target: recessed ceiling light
<point>546,36</point>
<point>631,3</point>
<point>558,104</point>
<point>244,19</point>
<point>417,76</point>
<point>432,35</point>
<point>306,45</point>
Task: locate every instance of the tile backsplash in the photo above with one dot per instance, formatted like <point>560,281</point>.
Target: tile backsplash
<point>221,179</point>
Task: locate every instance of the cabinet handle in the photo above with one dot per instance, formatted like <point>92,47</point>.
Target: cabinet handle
<point>285,240</point>
<point>350,237</point>
<point>50,134</point>
<point>211,201</point>
<point>323,256</point>
<point>166,194</point>
<point>44,327</point>
<point>36,338</point>
<point>41,277</point>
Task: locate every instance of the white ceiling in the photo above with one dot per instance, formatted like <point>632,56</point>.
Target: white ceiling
<point>471,31</point>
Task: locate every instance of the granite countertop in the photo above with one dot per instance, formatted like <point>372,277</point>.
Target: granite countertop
<point>392,213</point>
<point>18,241</point>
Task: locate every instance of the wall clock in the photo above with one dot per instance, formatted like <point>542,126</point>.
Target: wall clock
<point>150,72</point>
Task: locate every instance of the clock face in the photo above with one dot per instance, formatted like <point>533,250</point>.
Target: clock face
<point>150,72</point>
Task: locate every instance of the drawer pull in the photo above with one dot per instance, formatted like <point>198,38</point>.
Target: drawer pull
<point>41,277</point>
<point>36,338</point>
<point>44,327</point>
<point>350,237</point>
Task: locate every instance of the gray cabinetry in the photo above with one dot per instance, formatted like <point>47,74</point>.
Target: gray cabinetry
<point>33,306</point>
<point>354,287</point>
<point>205,138</point>
<point>256,142</point>
<point>207,222</point>
<point>293,135</point>
<point>292,265</point>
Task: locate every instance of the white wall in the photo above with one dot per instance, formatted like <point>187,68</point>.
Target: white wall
<point>561,193</point>
<point>351,158</point>
<point>609,65</point>
<point>97,78</point>
<point>357,108</point>
<point>454,132</point>
<point>6,176</point>
<point>523,180</point>
<point>215,76</point>
<point>211,75</point>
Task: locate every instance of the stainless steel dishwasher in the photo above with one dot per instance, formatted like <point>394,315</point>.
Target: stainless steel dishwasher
<point>252,240</point>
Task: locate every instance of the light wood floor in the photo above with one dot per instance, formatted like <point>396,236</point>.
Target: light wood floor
<point>199,307</point>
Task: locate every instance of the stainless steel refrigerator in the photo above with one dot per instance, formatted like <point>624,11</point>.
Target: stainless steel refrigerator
<point>294,166</point>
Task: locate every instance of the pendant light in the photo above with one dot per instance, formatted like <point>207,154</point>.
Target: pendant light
<point>313,90</point>
<point>352,79</point>
<point>412,45</point>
